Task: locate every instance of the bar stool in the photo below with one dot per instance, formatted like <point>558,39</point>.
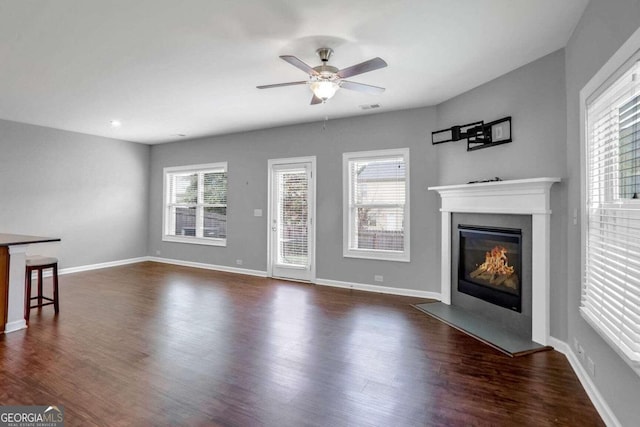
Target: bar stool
<point>39,264</point>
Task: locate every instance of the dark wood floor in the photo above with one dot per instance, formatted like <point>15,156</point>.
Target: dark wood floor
<point>152,344</point>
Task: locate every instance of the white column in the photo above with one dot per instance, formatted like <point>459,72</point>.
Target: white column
<point>15,303</point>
<point>540,277</point>
<point>445,262</point>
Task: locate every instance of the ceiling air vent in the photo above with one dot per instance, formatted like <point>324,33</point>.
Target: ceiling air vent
<point>369,106</point>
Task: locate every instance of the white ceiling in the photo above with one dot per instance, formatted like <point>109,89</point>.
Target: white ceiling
<point>168,67</point>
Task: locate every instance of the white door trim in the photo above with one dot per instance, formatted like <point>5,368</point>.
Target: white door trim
<point>312,229</point>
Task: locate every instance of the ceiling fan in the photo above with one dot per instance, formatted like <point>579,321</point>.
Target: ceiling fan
<point>325,80</point>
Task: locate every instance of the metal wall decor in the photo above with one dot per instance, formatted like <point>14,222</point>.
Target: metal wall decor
<point>478,134</point>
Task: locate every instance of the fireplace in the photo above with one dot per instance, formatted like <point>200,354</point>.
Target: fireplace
<point>518,197</point>
<point>490,265</point>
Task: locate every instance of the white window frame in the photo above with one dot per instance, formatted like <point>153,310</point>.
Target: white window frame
<point>347,250</point>
<point>609,73</point>
<point>197,169</point>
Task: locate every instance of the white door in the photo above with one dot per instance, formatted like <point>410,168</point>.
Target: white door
<point>291,222</point>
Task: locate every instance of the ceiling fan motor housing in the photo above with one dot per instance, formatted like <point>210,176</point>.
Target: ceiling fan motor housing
<point>324,53</point>
<point>326,71</point>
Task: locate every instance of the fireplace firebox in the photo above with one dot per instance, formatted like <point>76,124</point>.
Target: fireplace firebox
<point>490,265</point>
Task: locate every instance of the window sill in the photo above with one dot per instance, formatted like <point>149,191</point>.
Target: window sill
<point>377,255</point>
<point>595,324</point>
<point>195,240</point>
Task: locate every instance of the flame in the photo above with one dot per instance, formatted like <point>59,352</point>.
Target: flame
<point>496,262</point>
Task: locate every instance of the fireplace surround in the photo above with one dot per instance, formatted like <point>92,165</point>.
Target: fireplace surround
<point>515,197</point>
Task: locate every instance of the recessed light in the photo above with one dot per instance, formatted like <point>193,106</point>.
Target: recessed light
<point>115,123</point>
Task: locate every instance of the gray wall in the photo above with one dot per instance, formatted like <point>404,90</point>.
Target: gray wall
<point>92,192</point>
<point>604,27</point>
<point>247,155</point>
<point>534,96</point>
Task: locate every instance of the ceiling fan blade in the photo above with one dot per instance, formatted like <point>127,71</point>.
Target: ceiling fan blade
<point>299,64</point>
<point>315,100</point>
<point>282,84</point>
<point>363,67</point>
<point>360,87</point>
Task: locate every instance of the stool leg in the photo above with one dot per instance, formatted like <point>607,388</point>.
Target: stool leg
<point>27,297</point>
<point>56,304</point>
<point>40,287</point>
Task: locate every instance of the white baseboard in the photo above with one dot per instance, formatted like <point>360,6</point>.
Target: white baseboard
<point>598,401</point>
<point>324,282</point>
<point>89,267</point>
<point>16,325</point>
<point>379,289</point>
<point>71,270</point>
<point>258,273</point>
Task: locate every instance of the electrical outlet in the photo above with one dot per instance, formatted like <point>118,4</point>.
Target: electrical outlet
<point>378,278</point>
<point>239,262</point>
<point>575,344</point>
<point>591,367</point>
<point>157,252</point>
<point>581,352</point>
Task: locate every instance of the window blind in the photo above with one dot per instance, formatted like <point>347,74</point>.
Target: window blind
<point>293,187</point>
<point>214,204</point>
<point>611,286</point>
<point>378,188</point>
<point>196,202</point>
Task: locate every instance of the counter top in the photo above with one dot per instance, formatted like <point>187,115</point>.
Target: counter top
<point>19,239</point>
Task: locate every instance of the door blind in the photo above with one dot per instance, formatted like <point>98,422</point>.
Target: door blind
<point>293,209</point>
<point>611,287</point>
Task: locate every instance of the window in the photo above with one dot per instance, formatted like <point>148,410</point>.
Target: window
<point>629,144</point>
<point>611,288</point>
<point>195,204</point>
<point>376,204</point>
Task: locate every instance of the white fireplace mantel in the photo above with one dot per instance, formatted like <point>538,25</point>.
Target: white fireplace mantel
<point>516,197</point>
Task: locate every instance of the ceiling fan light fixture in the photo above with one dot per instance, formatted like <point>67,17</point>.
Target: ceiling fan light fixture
<point>324,89</point>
